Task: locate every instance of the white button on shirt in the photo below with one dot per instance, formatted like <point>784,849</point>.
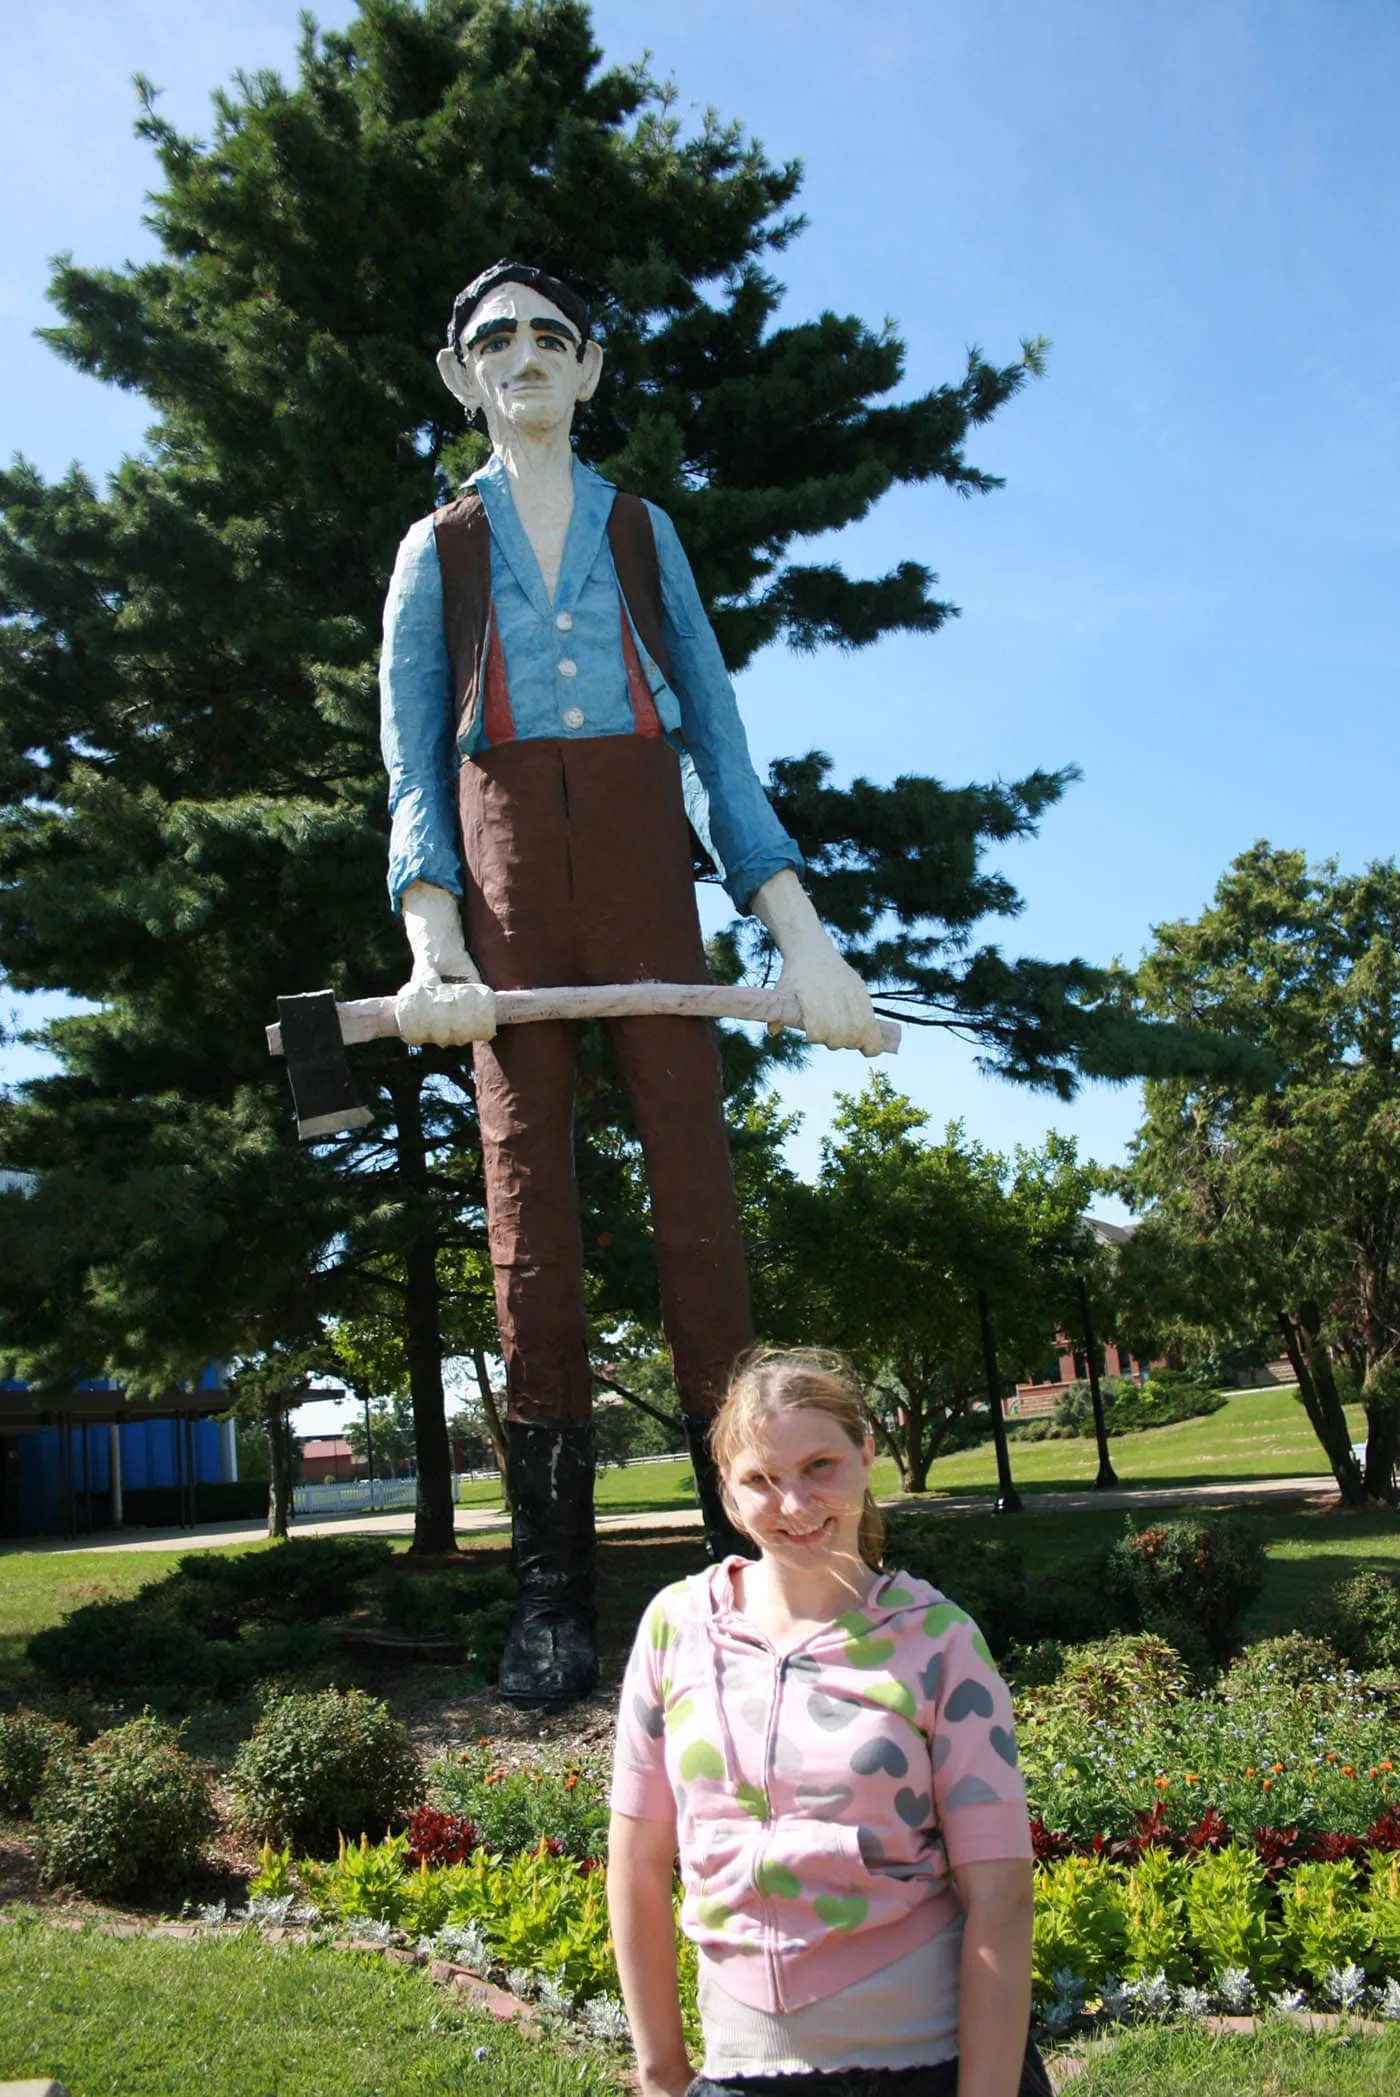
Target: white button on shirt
<point>568,667</point>
<point>573,717</point>
<point>564,621</point>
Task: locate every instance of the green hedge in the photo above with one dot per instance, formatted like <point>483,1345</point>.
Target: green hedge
<point>158,1506</point>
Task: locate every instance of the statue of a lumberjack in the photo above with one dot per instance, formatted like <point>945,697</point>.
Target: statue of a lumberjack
<point>555,708</point>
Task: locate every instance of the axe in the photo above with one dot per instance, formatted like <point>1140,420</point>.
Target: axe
<point>312,1031</point>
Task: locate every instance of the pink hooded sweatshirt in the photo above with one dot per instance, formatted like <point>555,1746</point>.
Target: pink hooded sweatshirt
<point>821,1797</point>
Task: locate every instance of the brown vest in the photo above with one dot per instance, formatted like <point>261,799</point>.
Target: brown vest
<point>462,534</point>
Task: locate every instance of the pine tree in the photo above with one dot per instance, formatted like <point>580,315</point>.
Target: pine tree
<point>195,809</point>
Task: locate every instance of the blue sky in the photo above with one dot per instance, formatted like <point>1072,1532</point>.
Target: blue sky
<point>1187,586</point>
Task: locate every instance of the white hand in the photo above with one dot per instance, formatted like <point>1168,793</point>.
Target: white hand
<point>450,1014</point>
<point>444,1000</point>
<point>834,1003</point>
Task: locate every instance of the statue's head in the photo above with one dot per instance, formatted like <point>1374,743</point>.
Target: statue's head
<point>519,350</point>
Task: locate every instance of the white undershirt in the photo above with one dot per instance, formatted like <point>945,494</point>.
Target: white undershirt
<point>903,2016</point>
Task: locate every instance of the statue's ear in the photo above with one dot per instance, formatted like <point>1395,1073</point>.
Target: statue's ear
<point>592,371</point>
<point>457,379</point>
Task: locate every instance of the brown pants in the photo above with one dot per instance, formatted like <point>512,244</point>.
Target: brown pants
<point>578,871</point>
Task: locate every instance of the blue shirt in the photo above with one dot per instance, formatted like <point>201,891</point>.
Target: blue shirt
<point>567,678</point>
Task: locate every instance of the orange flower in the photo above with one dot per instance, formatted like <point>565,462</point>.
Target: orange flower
<point>485,1740</point>
<point>1370,1772</point>
<point>570,1780</point>
<point>1190,1779</point>
<point>1387,1765</point>
<point>536,1775</point>
<point>1250,1771</point>
<point>1161,1783</point>
<point>1275,1769</point>
<point>1267,1784</point>
<point>1331,1754</point>
<point>1347,1770</point>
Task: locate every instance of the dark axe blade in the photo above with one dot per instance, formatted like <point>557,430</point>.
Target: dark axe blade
<point>323,1090</point>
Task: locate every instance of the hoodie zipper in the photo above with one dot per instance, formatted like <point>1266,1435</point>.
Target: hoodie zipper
<point>770,1747</point>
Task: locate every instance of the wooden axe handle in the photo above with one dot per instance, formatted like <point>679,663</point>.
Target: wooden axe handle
<point>367,1019</point>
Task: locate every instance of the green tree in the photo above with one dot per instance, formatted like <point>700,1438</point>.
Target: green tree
<point>1276,1211</point>
<point>891,1250</point>
<point>390,1435</point>
<point>193,811</point>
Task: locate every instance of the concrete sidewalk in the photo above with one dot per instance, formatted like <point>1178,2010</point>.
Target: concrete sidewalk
<point>478,1521</point>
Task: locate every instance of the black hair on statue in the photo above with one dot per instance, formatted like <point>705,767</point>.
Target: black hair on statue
<point>559,294</point>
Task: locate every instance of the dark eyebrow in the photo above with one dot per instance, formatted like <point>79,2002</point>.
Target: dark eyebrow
<point>502,326</point>
<point>547,326</point>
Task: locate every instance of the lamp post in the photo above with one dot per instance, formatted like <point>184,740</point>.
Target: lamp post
<point>1107,1475</point>
<point>369,1454</point>
<point>1008,1500</point>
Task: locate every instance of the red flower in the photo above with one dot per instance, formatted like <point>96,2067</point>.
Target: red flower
<point>439,1838</point>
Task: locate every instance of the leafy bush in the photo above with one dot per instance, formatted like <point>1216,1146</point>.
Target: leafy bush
<point>319,1764</point>
<point>439,1600</point>
<point>127,1815</point>
<point>29,1743</point>
<point>513,1810</point>
<point>1167,1396</point>
<point>1301,1764</point>
<point>1185,1577</point>
<point>1114,1678</point>
<point>1293,1665</point>
<point>218,1623</point>
<point>989,1580</point>
<point>1360,1616</point>
<point>301,1580</point>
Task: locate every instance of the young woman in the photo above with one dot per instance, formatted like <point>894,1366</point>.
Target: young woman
<point>830,1748</point>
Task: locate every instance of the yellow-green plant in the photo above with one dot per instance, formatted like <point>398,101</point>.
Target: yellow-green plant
<point>1324,1921</point>
<point>542,1913</point>
<point>1154,1917</point>
<point>1079,1922</point>
<point>273,1879</point>
<point>1382,1907</point>
<point>1227,1913</point>
<point>364,1880</point>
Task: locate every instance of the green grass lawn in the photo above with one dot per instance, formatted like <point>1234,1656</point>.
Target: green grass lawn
<point>1257,1434</point>
<point>233,2017</point>
<point>1278,2060</point>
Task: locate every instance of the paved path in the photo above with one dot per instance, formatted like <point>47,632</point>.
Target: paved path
<point>479,1521</point>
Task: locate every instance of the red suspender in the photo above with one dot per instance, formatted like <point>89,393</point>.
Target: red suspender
<point>645,720</point>
<point>496,716</point>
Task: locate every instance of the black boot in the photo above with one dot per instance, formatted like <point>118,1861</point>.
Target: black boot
<point>551,1656</point>
<point>722,1539</point>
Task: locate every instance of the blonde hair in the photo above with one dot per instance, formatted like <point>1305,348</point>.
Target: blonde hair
<point>770,1380</point>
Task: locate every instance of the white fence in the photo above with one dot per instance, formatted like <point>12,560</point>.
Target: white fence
<point>355,1496</point>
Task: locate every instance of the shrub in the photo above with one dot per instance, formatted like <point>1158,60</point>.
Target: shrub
<point>218,1623</point>
<point>1114,1678</point>
<point>29,1743</point>
<point>988,1579</point>
<point>1302,1668</point>
<point>1167,1396</point>
<point>300,1581</point>
<point>1182,1577</point>
<point>1360,1616</point>
<point>127,1815</point>
<point>319,1764</point>
<point>513,1810</point>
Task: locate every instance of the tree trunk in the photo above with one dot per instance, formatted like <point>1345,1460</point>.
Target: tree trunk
<point>279,1468</point>
<point>433,1533</point>
<point>1382,1401</point>
<point>1317,1387</point>
<point>918,1453</point>
<point>495,1425</point>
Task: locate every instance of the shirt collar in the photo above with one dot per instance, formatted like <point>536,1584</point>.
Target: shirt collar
<point>593,501</point>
